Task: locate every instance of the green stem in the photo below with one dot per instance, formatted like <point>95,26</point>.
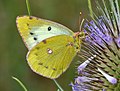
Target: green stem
<point>20,83</point>
<point>28,7</point>
<point>58,85</point>
<point>90,8</point>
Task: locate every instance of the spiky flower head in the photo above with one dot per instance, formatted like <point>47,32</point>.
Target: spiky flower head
<point>100,70</point>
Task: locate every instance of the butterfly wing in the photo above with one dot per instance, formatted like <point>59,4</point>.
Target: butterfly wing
<point>53,57</point>
<point>34,30</point>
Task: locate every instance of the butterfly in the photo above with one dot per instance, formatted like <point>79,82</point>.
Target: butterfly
<point>51,46</point>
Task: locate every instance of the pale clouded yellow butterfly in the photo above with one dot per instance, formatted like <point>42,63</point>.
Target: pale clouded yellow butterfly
<point>51,46</point>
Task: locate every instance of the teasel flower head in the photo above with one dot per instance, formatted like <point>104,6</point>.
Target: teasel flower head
<point>100,52</point>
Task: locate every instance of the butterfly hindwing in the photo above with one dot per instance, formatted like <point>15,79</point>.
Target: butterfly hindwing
<point>52,57</point>
<point>34,30</point>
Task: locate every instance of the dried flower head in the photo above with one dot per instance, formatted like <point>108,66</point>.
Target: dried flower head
<point>100,70</point>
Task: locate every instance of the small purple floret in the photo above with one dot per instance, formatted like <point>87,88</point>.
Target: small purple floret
<point>98,35</point>
<point>82,66</point>
<point>118,41</point>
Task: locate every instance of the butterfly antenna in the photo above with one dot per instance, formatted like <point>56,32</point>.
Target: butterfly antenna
<point>80,15</point>
<point>81,20</point>
<point>81,24</point>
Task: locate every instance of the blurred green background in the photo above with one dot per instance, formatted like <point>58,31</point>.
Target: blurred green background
<point>13,51</point>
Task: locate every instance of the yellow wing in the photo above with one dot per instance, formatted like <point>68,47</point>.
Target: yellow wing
<point>53,56</point>
<point>34,30</point>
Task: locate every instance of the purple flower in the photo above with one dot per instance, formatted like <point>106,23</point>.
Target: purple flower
<point>100,70</point>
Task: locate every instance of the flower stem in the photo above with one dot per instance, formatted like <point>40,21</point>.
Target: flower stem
<point>90,8</point>
<point>28,7</point>
<point>58,85</point>
<point>20,83</point>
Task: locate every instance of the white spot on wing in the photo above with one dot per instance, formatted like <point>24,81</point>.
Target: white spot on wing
<point>49,51</point>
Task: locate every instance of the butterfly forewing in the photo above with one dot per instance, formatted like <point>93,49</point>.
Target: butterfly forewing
<point>34,30</point>
<point>53,57</point>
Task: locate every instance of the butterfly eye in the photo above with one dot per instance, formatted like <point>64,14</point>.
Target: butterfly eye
<point>81,35</point>
<point>49,28</point>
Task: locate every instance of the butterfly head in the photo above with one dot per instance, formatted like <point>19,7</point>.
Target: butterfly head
<point>78,36</point>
